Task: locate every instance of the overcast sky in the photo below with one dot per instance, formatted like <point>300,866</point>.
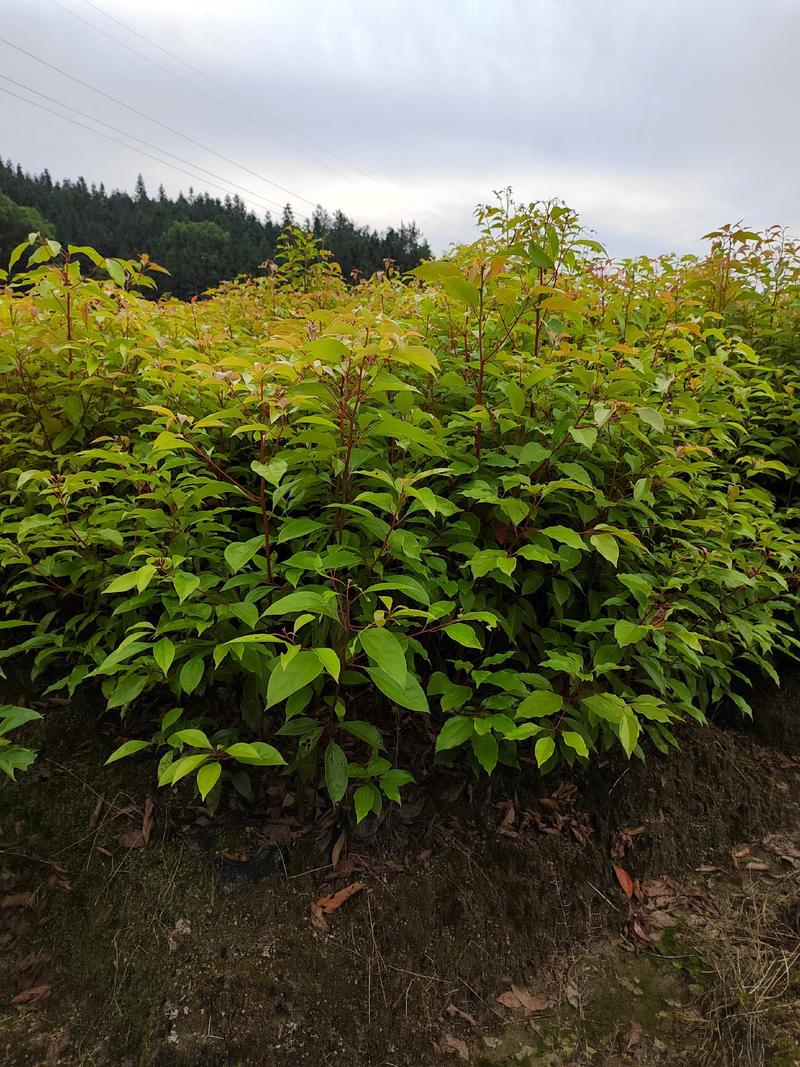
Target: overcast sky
<point>656,120</point>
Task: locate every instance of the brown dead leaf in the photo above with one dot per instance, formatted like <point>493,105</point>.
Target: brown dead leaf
<point>625,880</point>
<point>318,919</point>
<point>328,905</point>
<point>131,839</point>
<point>783,847</point>
<point>633,1035</point>
<point>738,854</point>
<point>148,820</point>
<point>338,848</point>
<point>755,865</point>
<point>95,816</point>
<point>572,995</point>
<point>451,1043</point>
<point>641,933</point>
<point>57,1046</point>
<point>29,997</point>
<point>519,999</point>
<point>457,1013</point>
<point>509,817</point>
<point>17,900</point>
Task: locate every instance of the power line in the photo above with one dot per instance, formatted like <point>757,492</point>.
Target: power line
<point>157,122</point>
<point>196,88</point>
<point>141,140</point>
<point>108,137</point>
<point>226,88</point>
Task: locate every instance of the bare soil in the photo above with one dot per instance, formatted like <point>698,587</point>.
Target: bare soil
<point>637,913</point>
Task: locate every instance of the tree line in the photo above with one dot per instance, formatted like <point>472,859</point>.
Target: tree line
<point>199,238</point>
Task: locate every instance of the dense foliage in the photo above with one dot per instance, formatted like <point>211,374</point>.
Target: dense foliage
<point>200,239</point>
<point>523,506</point>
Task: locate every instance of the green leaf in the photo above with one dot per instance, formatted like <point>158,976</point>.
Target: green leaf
<point>303,600</point>
<point>391,782</point>
<point>607,546</point>
<point>540,703</point>
<point>628,633</point>
<point>238,553</point>
<point>565,536</point>
<point>246,612</point>
<point>128,749</point>
<point>402,584</point>
<point>629,732</point>
<point>652,418</point>
<point>14,758</point>
<point>126,690</point>
<point>271,472</point>
<point>190,736</point>
<point>297,528</point>
<point>284,680</point>
<point>456,730</point>
<point>12,717</point>
<point>545,747</point>
<point>330,661</point>
<point>585,436</point>
<point>242,749</point>
<point>191,674</point>
<point>183,766</point>
<point>486,750</point>
<point>462,291</point>
<point>364,731</point>
<point>164,654</point>
<point>185,584</point>
<point>409,696</point>
<point>336,776</point>
<point>123,584</point>
<point>538,256</point>
<point>207,778</point>
<point>575,742</point>
<point>386,652</point>
<point>257,754</point>
<point>362,802</point>
<point>463,635</point>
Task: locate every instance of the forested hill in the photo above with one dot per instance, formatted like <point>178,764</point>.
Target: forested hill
<point>200,239</point>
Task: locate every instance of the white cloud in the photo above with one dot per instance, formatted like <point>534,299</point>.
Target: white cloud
<point>656,121</point>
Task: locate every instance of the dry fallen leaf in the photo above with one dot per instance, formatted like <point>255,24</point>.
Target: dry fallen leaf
<point>519,999</point>
<point>625,880</point>
<point>457,1013</point>
<point>95,816</point>
<point>131,839</point>
<point>634,1035</point>
<point>328,905</point>
<point>57,1046</point>
<point>339,848</point>
<point>572,995</point>
<point>318,919</point>
<point>16,900</point>
<point>148,820</point>
<point>450,1043</point>
<point>28,997</point>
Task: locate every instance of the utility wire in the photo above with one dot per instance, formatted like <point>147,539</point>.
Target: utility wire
<point>108,137</point>
<point>157,122</point>
<point>196,88</point>
<point>226,88</point>
<point>149,144</point>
